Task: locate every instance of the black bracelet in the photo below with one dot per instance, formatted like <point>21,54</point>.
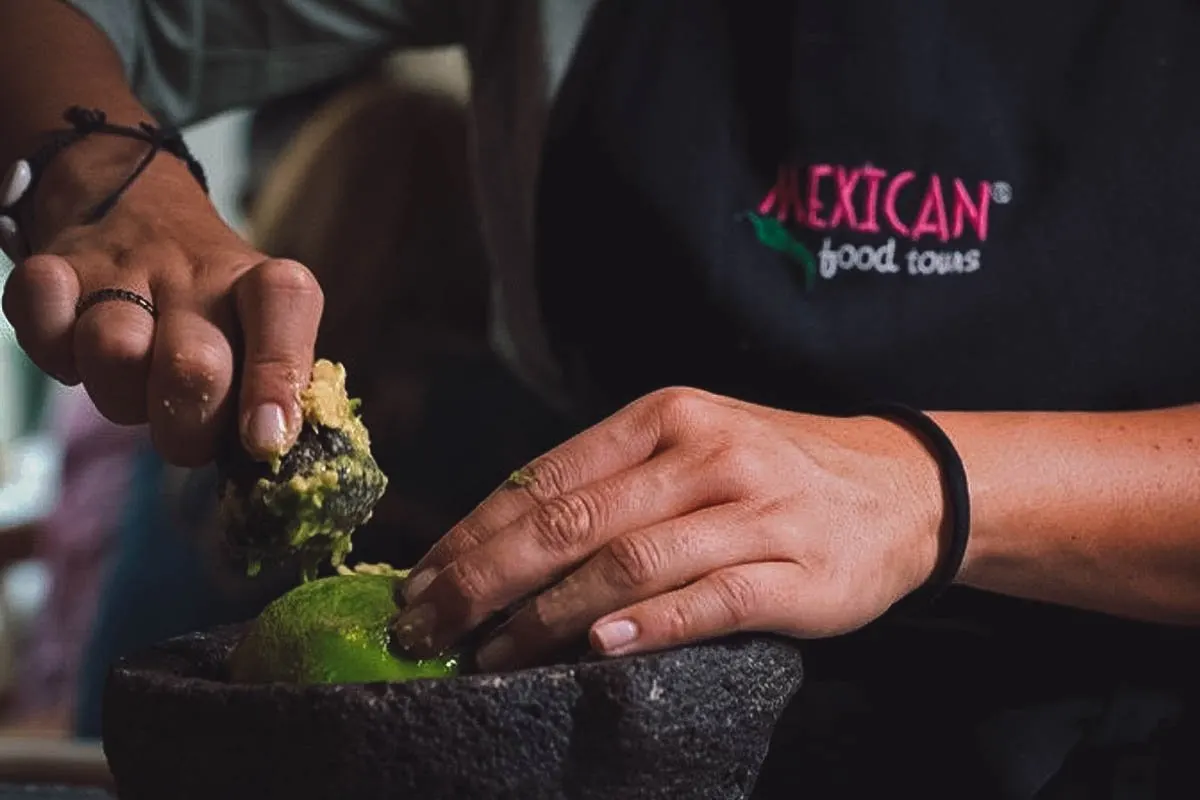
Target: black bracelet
<point>17,190</point>
<point>958,500</point>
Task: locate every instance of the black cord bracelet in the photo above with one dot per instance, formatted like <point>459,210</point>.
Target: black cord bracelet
<point>957,531</point>
<point>84,123</point>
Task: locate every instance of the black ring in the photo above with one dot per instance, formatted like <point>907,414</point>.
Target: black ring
<point>107,295</point>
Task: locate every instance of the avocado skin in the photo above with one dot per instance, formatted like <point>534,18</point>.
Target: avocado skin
<point>260,531</point>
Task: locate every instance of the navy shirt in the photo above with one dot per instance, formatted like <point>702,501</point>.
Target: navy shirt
<point>989,205</point>
<point>960,206</point>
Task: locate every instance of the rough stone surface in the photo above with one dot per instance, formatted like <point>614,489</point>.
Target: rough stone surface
<point>691,723</point>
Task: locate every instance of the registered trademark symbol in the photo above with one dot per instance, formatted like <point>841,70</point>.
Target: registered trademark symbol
<point>1002,193</point>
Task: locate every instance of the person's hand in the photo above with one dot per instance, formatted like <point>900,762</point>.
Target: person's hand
<point>219,301</point>
<point>686,516</point>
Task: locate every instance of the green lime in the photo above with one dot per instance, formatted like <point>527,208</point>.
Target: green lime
<point>333,630</point>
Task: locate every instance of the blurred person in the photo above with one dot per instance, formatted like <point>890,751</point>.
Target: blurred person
<point>75,543</point>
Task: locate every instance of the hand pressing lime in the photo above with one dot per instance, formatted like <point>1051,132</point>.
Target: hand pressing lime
<point>333,630</point>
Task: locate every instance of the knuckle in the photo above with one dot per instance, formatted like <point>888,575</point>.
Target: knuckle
<point>735,466</point>
<point>736,595</point>
<point>196,371</point>
<point>816,564</point>
<point>562,523</point>
<point>116,345</point>
<point>680,408</point>
<point>677,622</point>
<point>634,560</point>
<point>467,581</point>
<point>269,372</point>
<point>289,277</point>
<point>543,616</point>
<point>41,279</point>
<point>549,477</point>
<point>466,536</point>
<point>674,400</point>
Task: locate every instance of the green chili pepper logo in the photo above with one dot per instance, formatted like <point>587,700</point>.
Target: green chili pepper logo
<point>771,233</point>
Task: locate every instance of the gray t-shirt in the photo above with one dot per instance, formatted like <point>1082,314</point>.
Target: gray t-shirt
<point>191,59</point>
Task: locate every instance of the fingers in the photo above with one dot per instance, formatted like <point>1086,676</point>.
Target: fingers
<point>190,380</point>
<point>620,442</point>
<point>761,597</point>
<point>39,301</point>
<point>176,374</point>
<point>630,569</point>
<point>113,342</point>
<point>279,304</point>
<point>504,505</point>
<point>543,544</point>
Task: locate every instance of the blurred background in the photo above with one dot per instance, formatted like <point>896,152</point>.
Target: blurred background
<point>105,549</point>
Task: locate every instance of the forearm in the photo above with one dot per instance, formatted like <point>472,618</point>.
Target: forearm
<point>1091,510</point>
<point>39,81</point>
<point>52,57</point>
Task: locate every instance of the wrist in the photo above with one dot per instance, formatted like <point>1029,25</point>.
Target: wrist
<point>89,171</point>
<point>922,492</point>
<point>937,494</point>
<point>906,487</point>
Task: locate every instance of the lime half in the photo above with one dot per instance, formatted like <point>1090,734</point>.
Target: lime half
<point>333,630</point>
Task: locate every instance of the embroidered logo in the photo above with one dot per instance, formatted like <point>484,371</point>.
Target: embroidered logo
<point>867,200</point>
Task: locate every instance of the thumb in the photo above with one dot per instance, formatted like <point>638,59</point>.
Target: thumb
<point>279,305</point>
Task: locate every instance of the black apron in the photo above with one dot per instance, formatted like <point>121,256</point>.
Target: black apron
<point>982,205</point>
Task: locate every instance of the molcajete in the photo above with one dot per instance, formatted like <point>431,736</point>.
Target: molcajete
<point>689,723</point>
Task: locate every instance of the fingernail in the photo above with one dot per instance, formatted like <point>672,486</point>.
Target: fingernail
<point>266,429</point>
<point>616,635</point>
<point>495,654</point>
<point>414,627</point>
<point>417,583</point>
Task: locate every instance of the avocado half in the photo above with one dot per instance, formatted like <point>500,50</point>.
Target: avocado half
<point>306,503</point>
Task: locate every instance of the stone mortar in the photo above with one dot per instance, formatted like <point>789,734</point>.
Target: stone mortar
<point>689,723</point>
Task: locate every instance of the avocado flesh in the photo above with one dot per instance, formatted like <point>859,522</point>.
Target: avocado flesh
<point>305,503</point>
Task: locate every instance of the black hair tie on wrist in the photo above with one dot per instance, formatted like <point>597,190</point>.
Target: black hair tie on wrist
<point>957,530</point>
